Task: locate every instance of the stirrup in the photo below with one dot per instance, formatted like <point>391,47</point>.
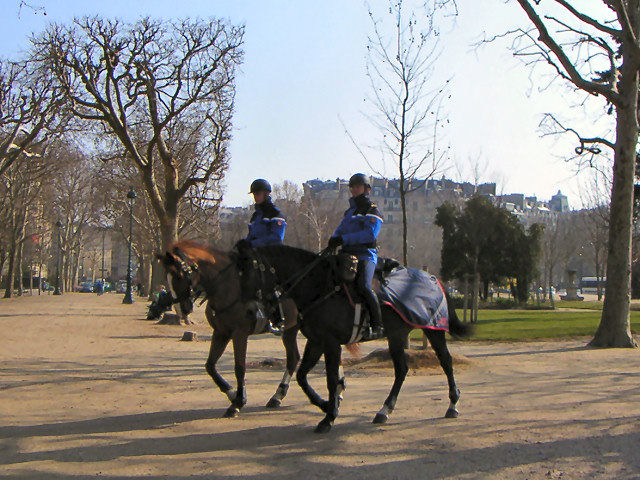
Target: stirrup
<point>374,333</point>
<point>277,330</point>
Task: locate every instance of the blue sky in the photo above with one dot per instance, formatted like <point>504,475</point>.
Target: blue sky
<point>304,77</point>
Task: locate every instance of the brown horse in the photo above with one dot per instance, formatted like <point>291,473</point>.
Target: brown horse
<point>191,265</point>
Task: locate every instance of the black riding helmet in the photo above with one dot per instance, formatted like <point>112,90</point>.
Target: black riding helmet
<point>359,179</point>
<point>260,185</point>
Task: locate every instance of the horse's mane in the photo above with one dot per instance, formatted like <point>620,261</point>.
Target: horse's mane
<point>199,252</point>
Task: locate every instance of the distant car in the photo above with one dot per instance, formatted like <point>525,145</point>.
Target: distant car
<point>85,287</point>
<point>121,286</point>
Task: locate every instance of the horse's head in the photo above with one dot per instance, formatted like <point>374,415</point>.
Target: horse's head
<point>182,275</point>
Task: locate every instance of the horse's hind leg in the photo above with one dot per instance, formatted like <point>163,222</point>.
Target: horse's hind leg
<point>439,344</point>
<point>396,339</point>
<point>293,357</point>
<point>311,355</point>
<point>291,348</point>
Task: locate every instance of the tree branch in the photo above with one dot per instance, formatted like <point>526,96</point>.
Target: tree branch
<point>570,70</point>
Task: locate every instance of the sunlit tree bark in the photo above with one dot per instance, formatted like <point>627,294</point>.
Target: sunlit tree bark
<point>598,51</point>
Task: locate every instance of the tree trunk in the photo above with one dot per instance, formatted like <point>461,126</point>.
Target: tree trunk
<point>465,298</point>
<point>476,292</point>
<point>8,293</point>
<point>169,230</point>
<point>614,329</point>
<point>403,206</point>
<point>145,273</point>
<point>19,265</point>
<point>157,278</point>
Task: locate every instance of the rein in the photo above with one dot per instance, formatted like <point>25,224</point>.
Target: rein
<point>292,282</point>
<point>213,282</point>
<point>199,289</point>
<point>295,279</point>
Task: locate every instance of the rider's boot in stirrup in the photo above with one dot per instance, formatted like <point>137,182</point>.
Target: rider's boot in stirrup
<point>276,320</point>
<point>375,316</point>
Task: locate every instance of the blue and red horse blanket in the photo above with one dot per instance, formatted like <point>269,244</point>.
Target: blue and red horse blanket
<point>417,296</point>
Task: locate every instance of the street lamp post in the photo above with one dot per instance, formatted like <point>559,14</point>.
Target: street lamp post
<point>58,291</point>
<point>102,269</point>
<point>128,297</point>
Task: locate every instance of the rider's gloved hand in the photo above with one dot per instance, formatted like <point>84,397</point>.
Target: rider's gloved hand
<point>242,244</point>
<point>335,242</point>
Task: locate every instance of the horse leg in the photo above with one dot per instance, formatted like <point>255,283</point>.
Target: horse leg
<point>219,343</point>
<point>396,341</point>
<point>439,344</point>
<point>342,383</point>
<point>311,355</point>
<point>290,343</point>
<point>240,359</point>
<point>332,355</point>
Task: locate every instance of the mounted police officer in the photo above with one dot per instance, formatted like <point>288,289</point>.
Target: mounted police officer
<point>267,224</point>
<point>266,227</point>
<point>357,234</point>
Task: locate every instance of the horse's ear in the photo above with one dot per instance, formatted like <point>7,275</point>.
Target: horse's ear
<point>179,253</point>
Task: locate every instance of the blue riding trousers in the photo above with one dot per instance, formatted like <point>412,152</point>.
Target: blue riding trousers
<point>366,269</point>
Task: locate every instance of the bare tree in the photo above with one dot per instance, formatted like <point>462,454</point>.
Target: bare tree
<point>408,106</point>
<point>73,203</point>
<point>20,185</point>
<point>31,111</point>
<point>598,52</point>
<point>162,91</point>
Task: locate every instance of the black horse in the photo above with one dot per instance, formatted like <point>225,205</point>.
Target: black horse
<point>326,320</point>
<point>188,265</point>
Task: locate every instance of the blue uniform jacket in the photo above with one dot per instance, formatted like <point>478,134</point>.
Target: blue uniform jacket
<point>266,226</point>
<point>360,227</point>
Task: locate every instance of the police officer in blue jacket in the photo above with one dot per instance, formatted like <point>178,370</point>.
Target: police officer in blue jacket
<point>266,227</point>
<point>267,224</point>
<point>357,234</point>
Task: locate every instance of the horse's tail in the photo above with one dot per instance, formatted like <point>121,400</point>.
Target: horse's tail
<point>456,327</point>
<point>354,350</point>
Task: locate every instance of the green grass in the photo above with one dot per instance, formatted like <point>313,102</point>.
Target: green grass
<point>523,325</point>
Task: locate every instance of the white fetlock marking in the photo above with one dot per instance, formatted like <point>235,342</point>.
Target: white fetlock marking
<point>279,395</point>
<point>453,406</point>
<point>231,395</point>
<point>385,411</point>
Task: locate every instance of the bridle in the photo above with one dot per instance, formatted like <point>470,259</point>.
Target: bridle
<point>199,291</point>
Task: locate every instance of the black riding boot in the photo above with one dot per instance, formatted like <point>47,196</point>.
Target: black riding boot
<point>375,316</point>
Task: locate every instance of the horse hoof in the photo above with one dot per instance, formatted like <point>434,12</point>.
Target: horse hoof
<point>273,403</point>
<point>323,427</point>
<point>451,413</point>
<point>231,412</point>
<point>379,418</point>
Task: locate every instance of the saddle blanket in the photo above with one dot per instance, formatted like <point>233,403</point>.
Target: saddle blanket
<point>417,297</point>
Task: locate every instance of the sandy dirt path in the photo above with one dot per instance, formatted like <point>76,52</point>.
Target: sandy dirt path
<point>88,389</point>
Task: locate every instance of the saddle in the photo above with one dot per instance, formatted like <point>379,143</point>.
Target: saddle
<point>261,294</point>
<point>385,267</point>
<point>344,271</point>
